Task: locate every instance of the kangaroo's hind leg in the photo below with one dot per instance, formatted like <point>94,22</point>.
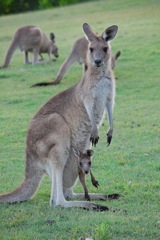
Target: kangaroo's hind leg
<point>26,58</point>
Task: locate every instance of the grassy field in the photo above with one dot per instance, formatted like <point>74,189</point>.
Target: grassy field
<point>130,166</point>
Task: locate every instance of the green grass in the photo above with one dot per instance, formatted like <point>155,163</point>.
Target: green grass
<point>130,166</point>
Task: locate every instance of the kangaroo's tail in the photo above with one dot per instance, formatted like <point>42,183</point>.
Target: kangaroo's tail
<point>26,190</point>
<point>13,46</point>
<point>41,84</point>
<point>62,71</point>
<point>117,55</point>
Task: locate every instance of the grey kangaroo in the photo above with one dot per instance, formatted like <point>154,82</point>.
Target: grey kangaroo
<point>77,54</point>
<point>70,120</point>
<point>84,165</point>
<point>31,39</point>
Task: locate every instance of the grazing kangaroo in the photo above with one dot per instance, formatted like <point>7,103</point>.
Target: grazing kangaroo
<point>77,54</point>
<point>84,164</point>
<point>69,121</point>
<point>31,39</point>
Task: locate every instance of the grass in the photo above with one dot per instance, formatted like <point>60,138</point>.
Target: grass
<point>130,166</point>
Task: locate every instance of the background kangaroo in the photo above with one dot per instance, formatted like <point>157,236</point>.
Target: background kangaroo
<point>31,39</point>
<point>69,121</point>
<point>84,164</point>
<point>77,54</point>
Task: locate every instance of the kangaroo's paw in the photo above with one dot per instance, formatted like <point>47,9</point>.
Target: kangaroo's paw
<point>94,140</point>
<point>109,138</point>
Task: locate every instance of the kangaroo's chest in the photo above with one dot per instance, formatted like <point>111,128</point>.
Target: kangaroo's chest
<point>101,93</point>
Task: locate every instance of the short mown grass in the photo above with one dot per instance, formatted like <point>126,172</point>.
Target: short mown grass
<point>130,166</point>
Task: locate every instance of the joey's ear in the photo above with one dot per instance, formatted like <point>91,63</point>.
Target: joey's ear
<point>52,37</point>
<point>110,33</point>
<point>88,32</point>
<point>89,153</point>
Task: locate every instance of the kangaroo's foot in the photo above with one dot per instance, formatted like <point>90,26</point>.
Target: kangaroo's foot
<point>102,197</point>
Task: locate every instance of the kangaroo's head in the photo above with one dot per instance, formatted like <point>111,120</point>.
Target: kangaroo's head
<point>53,49</point>
<point>99,51</point>
<point>84,161</point>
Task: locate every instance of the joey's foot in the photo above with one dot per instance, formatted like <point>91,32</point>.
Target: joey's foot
<point>95,183</point>
<point>94,140</point>
<point>87,197</point>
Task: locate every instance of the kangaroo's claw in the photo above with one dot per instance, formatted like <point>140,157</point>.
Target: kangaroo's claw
<point>109,139</point>
<point>94,141</point>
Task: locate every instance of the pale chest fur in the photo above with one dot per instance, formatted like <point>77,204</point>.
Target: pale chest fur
<point>102,92</point>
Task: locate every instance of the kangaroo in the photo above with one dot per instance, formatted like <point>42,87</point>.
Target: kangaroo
<point>31,39</point>
<point>67,121</point>
<point>84,165</point>
<point>77,54</point>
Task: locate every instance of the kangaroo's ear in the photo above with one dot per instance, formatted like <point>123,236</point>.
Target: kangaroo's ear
<point>88,32</point>
<point>110,33</point>
<point>89,153</point>
<point>52,37</point>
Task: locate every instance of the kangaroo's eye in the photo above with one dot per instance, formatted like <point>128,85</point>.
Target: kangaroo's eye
<point>105,49</point>
<point>89,162</point>
<point>80,163</point>
<point>91,49</point>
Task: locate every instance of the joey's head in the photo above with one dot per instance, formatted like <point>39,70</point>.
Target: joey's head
<point>99,50</point>
<point>84,161</point>
<point>53,47</point>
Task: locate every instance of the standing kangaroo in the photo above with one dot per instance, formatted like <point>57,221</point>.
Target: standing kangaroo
<point>77,54</point>
<point>69,121</point>
<point>31,39</point>
<point>84,165</point>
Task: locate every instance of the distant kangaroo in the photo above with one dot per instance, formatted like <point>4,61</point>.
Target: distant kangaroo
<point>31,39</point>
<point>84,164</point>
<point>70,120</point>
<point>77,54</point>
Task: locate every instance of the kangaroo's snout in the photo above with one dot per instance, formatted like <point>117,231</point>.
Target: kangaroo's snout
<point>98,62</point>
<point>86,172</point>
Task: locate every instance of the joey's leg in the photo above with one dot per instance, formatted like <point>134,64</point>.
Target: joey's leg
<point>110,116</point>
<point>93,180</point>
<point>82,178</point>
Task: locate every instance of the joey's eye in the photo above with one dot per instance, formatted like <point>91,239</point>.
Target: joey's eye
<point>91,49</point>
<point>105,49</point>
<point>80,163</point>
<point>89,162</point>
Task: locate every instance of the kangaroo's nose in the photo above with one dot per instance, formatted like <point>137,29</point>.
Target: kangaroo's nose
<point>86,172</point>
<point>98,62</point>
